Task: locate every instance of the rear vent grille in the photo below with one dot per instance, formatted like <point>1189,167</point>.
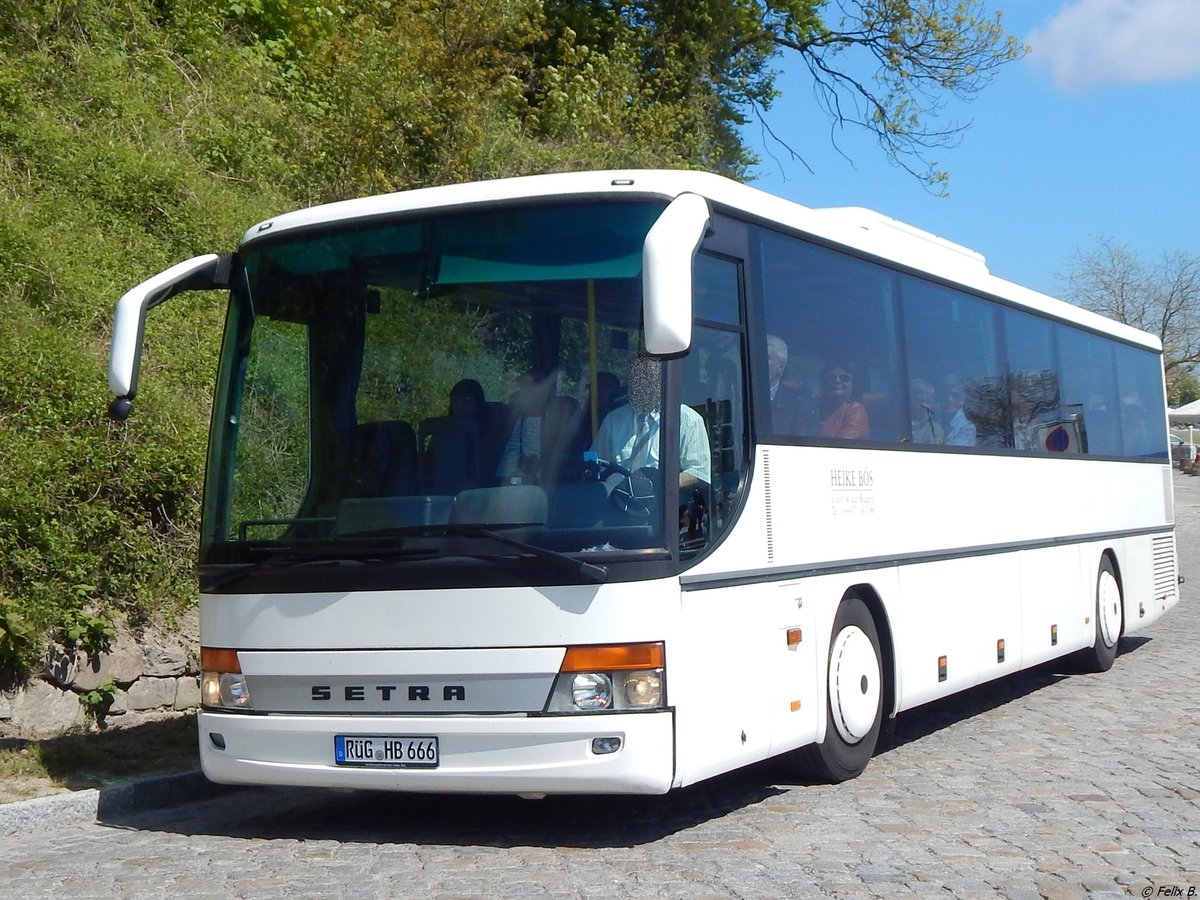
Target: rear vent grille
<point>1164,566</point>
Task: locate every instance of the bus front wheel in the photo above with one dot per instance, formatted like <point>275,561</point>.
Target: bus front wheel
<point>854,707</point>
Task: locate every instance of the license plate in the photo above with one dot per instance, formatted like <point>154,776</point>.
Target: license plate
<point>385,751</point>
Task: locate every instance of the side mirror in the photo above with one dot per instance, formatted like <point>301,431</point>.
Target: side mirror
<point>199,274</point>
<point>667,257</point>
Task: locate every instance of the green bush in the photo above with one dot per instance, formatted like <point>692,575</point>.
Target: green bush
<point>116,159</point>
<point>16,639</point>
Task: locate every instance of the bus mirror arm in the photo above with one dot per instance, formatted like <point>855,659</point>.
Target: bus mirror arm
<point>667,255</point>
<point>201,273</point>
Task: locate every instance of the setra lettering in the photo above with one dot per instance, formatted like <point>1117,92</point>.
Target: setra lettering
<point>388,693</point>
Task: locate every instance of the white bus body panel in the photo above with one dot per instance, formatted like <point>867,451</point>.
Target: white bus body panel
<point>869,517</point>
<point>433,619</point>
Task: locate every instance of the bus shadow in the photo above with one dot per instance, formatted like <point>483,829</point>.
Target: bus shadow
<point>576,822</point>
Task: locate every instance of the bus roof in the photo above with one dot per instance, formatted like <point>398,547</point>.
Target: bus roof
<point>863,230</point>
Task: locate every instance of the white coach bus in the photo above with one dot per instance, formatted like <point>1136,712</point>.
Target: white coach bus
<point>610,482</point>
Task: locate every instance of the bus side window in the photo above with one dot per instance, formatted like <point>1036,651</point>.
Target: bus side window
<point>833,318</point>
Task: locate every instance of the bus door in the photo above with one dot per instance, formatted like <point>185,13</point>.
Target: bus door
<point>724,706</point>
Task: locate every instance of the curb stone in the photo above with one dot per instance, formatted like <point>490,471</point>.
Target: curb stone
<point>101,804</point>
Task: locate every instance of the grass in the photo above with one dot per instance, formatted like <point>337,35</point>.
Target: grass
<point>36,767</point>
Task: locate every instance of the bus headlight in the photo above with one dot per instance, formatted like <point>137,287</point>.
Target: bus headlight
<point>642,690</point>
<point>222,684</point>
<point>615,677</point>
<point>591,690</point>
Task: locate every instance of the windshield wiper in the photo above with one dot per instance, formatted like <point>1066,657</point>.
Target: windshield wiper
<point>590,571</point>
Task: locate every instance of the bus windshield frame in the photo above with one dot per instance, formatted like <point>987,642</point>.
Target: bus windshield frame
<point>359,359</point>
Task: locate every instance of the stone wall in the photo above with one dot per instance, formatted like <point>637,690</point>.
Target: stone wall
<point>155,676</point>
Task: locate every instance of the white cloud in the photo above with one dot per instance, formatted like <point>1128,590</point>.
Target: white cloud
<point>1095,42</point>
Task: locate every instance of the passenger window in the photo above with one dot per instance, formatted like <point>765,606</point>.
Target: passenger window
<point>954,369</point>
<point>1035,416</point>
<point>1086,378</point>
<point>1143,408</point>
<point>831,349</point>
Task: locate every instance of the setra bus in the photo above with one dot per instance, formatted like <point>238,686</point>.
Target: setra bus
<point>610,482</point>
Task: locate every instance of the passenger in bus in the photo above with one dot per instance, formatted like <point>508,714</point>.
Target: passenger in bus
<point>793,411</point>
<point>629,435</point>
<point>960,431</point>
<point>521,453</point>
<point>925,427</point>
<point>537,432</point>
<point>842,415</point>
<point>467,400</point>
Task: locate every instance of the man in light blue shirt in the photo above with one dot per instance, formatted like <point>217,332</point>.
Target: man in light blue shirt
<point>630,435</point>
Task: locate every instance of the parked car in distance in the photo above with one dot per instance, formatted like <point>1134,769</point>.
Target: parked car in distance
<point>1182,453</point>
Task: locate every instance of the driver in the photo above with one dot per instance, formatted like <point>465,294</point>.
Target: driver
<point>629,435</point>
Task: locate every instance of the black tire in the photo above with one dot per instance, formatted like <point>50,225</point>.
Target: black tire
<point>1110,620</point>
<point>854,704</point>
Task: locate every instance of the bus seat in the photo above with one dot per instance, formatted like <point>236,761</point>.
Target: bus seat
<point>507,504</point>
<point>382,460</point>
<point>448,448</point>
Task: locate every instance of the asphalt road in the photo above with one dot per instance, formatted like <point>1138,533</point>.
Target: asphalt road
<point>1041,785</point>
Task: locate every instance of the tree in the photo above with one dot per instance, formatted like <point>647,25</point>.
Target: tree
<point>920,51</point>
<point>1162,298</point>
<point>1185,389</point>
<point>391,95</point>
<point>887,66</point>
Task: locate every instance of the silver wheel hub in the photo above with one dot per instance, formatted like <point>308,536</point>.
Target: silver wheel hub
<point>1108,607</point>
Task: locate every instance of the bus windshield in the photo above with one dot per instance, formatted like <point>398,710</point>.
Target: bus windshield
<point>419,390</point>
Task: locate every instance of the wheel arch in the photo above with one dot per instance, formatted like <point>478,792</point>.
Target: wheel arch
<point>868,594</point>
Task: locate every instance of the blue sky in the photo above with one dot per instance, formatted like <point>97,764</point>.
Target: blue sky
<point>1095,132</point>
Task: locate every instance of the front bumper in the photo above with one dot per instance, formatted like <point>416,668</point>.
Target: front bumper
<point>479,754</point>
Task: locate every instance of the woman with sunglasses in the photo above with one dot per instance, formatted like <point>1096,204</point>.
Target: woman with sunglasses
<point>842,415</point>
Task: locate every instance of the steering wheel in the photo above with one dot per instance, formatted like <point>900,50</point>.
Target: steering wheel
<point>636,493</point>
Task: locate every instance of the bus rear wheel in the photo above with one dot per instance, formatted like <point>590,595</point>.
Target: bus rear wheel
<point>854,708</point>
<point>1110,614</point>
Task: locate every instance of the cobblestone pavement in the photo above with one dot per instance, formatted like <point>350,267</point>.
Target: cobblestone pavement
<point>1038,786</point>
